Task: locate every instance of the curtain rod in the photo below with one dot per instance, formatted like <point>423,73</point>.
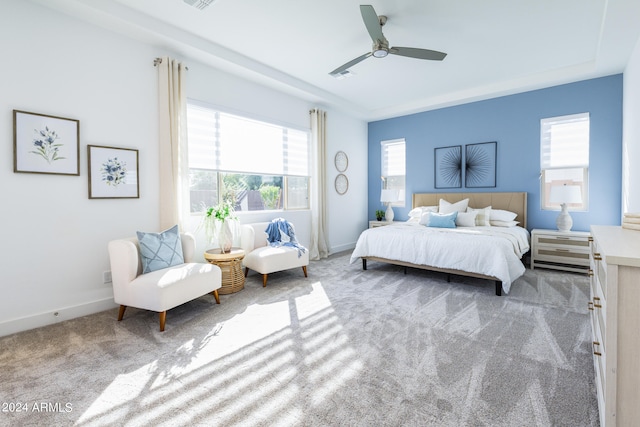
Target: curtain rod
<point>158,61</point>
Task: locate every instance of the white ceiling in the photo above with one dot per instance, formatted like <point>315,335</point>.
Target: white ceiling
<point>494,47</point>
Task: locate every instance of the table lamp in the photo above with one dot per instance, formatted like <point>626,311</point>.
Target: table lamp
<point>389,196</point>
<point>565,194</point>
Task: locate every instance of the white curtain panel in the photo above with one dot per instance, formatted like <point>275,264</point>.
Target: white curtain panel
<point>319,248</point>
<point>174,169</point>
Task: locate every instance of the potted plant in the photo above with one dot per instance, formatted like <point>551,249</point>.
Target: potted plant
<point>379,215</point>
<point>220,225</point>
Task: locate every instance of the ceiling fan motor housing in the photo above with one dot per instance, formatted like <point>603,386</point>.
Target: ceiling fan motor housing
<point>380,48</point>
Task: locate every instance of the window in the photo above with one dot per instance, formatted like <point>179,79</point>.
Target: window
<point>393,167</point>
<point>254,165</point>
<point>564,158</point>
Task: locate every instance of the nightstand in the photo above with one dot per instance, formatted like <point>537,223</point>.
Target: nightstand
<point>560,250</point>
<point>374,224</point>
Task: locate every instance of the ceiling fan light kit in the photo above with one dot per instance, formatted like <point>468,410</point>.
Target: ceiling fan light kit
<point>380,49</point>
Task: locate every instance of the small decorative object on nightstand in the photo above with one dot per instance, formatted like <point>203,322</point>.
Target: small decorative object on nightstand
<point>379,215</point>
<point>560,250</point>
<point>389,196</point>
<point>564,195</point>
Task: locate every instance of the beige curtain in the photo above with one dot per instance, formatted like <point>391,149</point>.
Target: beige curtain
<point>174,173</point>
<point>319,248</point>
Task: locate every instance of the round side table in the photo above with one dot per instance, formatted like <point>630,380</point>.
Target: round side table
<point>231,265</point>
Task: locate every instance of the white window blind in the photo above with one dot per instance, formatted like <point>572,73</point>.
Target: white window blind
<point>230,143</point>
<point>393,159</point>
<point>565,142</point>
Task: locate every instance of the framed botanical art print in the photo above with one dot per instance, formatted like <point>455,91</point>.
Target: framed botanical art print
<point>45,144</point>
<point>448,167</point>
<point>113,173</point>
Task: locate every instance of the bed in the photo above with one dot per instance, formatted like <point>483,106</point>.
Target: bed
<point>486,252</point>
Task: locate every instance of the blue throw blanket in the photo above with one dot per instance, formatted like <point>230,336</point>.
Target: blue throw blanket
<point>280,233</point>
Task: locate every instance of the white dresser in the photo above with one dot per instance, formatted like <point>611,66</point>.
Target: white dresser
<point>615,321</point>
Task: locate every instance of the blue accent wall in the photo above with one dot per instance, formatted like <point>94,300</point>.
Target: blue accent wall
<point>514,122</point>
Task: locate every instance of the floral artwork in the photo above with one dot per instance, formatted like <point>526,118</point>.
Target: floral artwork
<point>113,173</point>
<point>45,144</point>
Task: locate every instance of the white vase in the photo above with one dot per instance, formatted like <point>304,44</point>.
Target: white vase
<point>225,237</point>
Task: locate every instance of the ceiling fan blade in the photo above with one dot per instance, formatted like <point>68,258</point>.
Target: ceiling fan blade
<point>350,64</point>
<point>413,52</point>
<point>372,22</point>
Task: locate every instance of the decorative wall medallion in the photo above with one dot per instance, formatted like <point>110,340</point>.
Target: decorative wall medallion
<point>341,161</point>
<point>342,184</point>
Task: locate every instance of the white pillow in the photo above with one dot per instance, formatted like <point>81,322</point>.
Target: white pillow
<point>483,215</point>
<point>417,212</point>
<point>504,223</point>
<point>500,215</point>
<point>466,219</point>
<point>446,207</point>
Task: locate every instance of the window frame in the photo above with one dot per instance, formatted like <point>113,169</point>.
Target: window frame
<point>384,147</point>
<point>216,111</point>
<point>571,169</point>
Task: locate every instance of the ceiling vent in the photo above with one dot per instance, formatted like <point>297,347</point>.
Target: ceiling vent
<point>199,4</point>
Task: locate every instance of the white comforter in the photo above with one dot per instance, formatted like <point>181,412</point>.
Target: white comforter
<point>491,251</point>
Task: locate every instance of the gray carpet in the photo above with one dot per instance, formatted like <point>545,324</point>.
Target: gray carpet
<point>342,347</point>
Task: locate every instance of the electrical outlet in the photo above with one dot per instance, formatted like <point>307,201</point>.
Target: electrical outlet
<point>106,277</point>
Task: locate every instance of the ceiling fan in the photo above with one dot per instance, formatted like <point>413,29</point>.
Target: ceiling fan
<point>374,24</point>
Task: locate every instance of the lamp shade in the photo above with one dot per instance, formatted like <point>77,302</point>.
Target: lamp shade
<point>565,194</point>
<point>389,196</point>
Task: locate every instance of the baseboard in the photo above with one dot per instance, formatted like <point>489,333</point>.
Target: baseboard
<point>55,316</point>
<point>341,248</point>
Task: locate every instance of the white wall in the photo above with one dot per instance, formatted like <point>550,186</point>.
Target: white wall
<point>54,241</point>
<point>631,134</point>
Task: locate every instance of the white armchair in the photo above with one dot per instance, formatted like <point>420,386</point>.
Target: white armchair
<point>265,259</point>
<point>163,289</point>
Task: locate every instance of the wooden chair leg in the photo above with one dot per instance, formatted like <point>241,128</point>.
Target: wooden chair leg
<point>304,268</point>
<point>246,271</point>
<point>216,296</point>
<point>163,318</point>
<point>264,280</point>
<point>121,312</point>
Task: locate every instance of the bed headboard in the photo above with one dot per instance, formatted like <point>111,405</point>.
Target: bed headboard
<point>514,202</point>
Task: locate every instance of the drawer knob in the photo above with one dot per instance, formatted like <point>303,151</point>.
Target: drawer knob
<point>590,273</point>
<point>590,305</point>
<point>597,256</point>
<point>590,238</point>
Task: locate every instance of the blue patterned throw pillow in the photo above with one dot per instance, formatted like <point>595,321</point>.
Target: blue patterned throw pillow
<point>160,250</point>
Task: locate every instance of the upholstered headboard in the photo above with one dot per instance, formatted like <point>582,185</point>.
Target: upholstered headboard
<point>514,202</point>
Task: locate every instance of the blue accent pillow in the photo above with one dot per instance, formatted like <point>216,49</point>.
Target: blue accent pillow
<point>442,220</point>
<point>160,250</point>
